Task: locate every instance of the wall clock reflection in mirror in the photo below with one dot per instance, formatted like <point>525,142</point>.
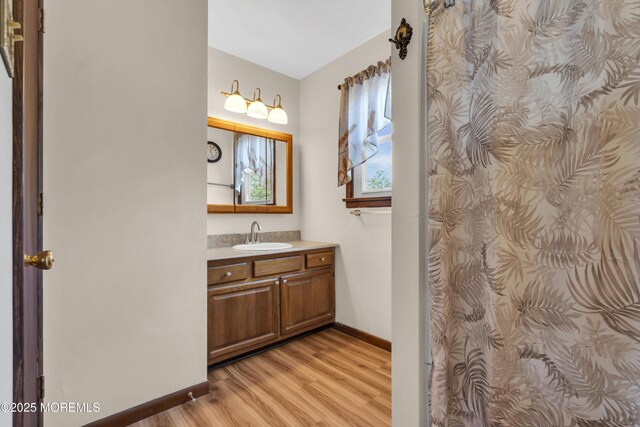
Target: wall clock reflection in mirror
<point>214,153</point>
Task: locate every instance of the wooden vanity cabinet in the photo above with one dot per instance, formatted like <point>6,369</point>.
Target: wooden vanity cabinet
<point>242,317</point>
<point>257,301</point>
<point>306,300</point>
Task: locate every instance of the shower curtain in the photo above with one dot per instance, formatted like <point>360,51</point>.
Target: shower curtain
<point>534,212</point>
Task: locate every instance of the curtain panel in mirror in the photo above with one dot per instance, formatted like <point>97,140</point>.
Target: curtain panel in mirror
<point>253,156</point>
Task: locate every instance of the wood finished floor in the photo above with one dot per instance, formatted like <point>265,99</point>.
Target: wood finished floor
<point>325,379</point>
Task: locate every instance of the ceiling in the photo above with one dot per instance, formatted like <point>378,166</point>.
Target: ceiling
<point>294,37</point>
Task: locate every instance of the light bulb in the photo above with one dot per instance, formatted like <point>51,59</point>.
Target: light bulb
<point>236,103</point>
<point>278,116</point>
<point>257,110</point>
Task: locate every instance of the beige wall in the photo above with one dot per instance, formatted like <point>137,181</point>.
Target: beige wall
<point>6,278</point>
<point>363,265</point>
<point>124,184</point>
<point>409,291</point>
<point>223,69</point>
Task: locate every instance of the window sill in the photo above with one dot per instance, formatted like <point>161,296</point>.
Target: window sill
<point>368,202</point>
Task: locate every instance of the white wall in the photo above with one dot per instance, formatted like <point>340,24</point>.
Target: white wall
<point>223,69</point>
<point>6,245</point>
<point>124,184</point>
<point>363,265</point>
<point>409,293</point>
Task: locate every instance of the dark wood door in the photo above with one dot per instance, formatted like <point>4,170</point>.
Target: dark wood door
<point>27,219</point>
<point>307,300</point>
<point>242,317</point>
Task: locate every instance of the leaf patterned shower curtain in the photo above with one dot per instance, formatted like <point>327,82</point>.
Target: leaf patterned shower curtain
<point>534,212</point>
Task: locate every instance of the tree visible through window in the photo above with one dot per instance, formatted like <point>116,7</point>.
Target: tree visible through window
<point>377,170</point>
<point>259,192</point>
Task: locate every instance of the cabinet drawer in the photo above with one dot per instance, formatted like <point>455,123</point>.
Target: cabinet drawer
<point>320,259</point>
<point>268,267</point>
<point>226,273</point>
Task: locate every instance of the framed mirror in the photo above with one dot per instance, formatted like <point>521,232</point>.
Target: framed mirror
<point>249,169</point>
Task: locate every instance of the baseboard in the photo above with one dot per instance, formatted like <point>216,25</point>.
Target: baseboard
<point>269,347</point>
<point>363,336</point>
<point>155,406</point>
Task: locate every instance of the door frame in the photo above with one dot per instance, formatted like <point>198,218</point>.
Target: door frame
<point>28,381</point>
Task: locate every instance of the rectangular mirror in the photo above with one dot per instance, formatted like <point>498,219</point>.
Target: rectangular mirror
<point>249,169</point>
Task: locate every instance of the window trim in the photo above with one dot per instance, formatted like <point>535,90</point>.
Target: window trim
<point>369,201</point>
<point>363,173</point>
<point>365,202</point>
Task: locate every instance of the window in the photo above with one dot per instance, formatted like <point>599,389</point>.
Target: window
<point>376,172</point>
<point>365,129</point>
<point>372,180</point>
<point>255,170</point>
<point>255,191</point>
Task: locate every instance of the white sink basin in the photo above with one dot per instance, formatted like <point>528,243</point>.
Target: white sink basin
<point>262,247</point>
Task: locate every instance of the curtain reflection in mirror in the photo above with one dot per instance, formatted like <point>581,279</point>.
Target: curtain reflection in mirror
<point>254,169</point>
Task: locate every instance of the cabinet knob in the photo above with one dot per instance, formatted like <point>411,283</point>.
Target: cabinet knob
<point>284,280</point>
<point>322,259</point>
<point>228,274</point>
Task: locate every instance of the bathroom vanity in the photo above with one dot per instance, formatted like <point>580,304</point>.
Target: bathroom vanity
<point>256,299</point>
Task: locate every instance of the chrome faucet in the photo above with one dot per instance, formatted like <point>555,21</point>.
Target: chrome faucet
<point>254,237</point>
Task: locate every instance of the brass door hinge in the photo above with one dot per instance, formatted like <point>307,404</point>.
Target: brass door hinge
<point>40,205</point>
<point>40,386</point>
<point>41,11</point>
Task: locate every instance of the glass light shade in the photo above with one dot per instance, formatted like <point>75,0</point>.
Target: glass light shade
<point>236,103</point>
<point>278,116</point>
<point>257,110</point>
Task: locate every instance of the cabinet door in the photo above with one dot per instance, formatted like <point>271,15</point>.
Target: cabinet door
<point>242,317</point>
<point>307,300</point>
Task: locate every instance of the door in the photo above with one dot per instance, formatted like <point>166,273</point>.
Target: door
<point>28,383</point>
<point>307,300</point>
<point>241,317</point>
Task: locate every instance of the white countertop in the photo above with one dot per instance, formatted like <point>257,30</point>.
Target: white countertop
<point>215,254</point>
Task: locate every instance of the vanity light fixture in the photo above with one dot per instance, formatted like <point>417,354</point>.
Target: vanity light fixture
<point>255,107</point>
<point>235,102</point>
<point>277,114</point>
